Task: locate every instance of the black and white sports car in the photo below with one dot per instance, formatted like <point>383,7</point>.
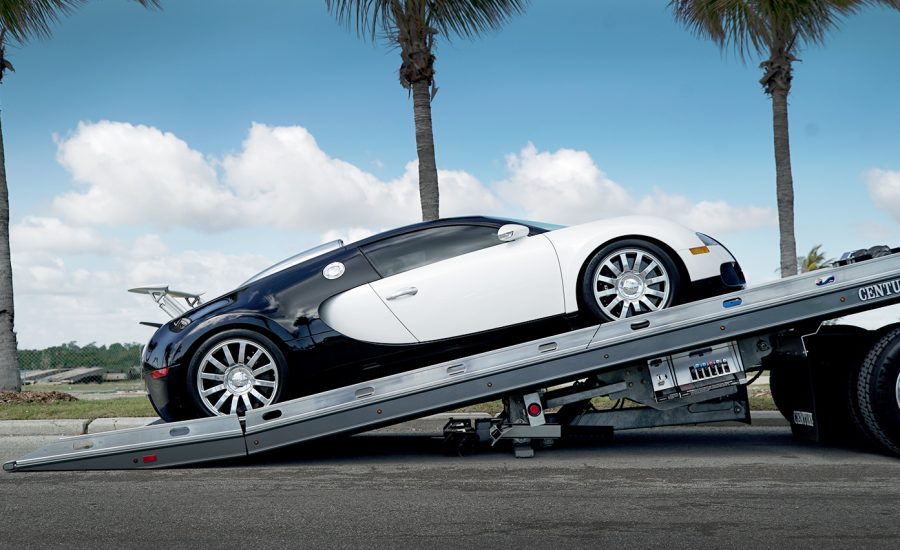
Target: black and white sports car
<point>415,296</point>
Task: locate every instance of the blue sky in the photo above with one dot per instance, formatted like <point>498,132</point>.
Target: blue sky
<point>613,96</point>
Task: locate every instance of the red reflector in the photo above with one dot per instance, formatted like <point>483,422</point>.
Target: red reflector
<point>534,409</point>
<point>149,458</point>
<point>159,373</point>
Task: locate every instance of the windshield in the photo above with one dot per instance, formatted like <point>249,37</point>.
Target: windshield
<point>540,225</point>
<point>296,259</point>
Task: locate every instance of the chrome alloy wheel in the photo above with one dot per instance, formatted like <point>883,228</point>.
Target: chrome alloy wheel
<point>631,281</point>
<point>236,376</point>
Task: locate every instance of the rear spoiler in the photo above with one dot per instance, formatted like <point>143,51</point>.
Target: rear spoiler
<point>174,302</point>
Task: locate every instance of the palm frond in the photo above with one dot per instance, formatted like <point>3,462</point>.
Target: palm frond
<point>756,26</point>
<point>366,15</point>
<point>26,19</point>
<point>466,18</point>
<point>814,259</point>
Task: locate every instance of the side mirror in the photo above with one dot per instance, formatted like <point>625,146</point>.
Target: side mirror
<point>512,232</point>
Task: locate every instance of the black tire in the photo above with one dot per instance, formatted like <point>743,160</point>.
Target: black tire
<point>632,287</point>
<point>865,438</point>
<point>781,390</point>
<point>878,391</point>
<point>271,362</point>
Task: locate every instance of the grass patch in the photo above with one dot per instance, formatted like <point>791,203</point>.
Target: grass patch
<point>105,408</point>
<point>762,403</point>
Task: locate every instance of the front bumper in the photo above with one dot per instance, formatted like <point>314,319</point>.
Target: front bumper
<point>730,279</point>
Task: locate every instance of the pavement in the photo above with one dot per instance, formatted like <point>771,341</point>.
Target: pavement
<point>672,488</point>
<point>428,424</point>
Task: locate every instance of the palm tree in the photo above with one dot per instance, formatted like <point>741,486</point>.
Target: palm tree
<point>413,25</point>
<point>814,259</point>
<point>777,29</point>
<point>21,20</point>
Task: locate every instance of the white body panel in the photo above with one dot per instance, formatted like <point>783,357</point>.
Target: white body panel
<point>359,313</point>
<point>498,286</point>
<point>502,285</point>
<point>515,282</point>
<point>574,246</point>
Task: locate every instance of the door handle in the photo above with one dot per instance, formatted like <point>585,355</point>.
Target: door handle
<point>411,291</point>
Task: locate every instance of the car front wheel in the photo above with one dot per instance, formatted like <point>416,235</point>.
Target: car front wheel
<point>628,278</point>
<point>234,372</point>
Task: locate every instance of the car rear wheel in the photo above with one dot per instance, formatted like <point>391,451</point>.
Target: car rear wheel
<point>236,371</point>
<point>628,278</point>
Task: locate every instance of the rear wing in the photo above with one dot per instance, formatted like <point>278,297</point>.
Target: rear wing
<point>173,302</point>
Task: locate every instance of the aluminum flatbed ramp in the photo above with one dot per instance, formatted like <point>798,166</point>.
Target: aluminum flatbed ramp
<point>811,297</point>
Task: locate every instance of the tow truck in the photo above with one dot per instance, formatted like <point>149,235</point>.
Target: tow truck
<point>689,364</point>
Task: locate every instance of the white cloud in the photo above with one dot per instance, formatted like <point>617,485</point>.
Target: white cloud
<point>148,246</point>
<point>56,303</point>
<point>41,274</point>
<point>561,187</point>
<point>281,178</point>
<point>884,188</point>
<point>284,179</point>
<point>135,174</point>
<point>141,175</point>
<point>38,234</point>
<point>210,272</point>
<point>567,187</point>
<point>710,216</point>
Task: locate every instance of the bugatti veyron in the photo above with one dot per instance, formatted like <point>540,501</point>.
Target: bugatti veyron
<point>415,296</point>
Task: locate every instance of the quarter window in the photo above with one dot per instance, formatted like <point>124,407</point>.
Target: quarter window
<point>412,250</point>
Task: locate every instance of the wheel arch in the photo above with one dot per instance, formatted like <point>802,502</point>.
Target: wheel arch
<point>676,259</point>
<point>244,322</point>
<point>881,331</point>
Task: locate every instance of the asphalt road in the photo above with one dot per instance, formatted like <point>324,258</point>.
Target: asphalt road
<point>663,488</point>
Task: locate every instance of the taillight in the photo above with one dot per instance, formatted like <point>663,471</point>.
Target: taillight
<point>159,373</point>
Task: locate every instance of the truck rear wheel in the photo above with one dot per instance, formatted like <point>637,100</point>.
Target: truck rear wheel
<point>878,391</point>
<point>781,388</point>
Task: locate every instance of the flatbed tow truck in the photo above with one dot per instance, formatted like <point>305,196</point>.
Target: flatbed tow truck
<point>684,365</point>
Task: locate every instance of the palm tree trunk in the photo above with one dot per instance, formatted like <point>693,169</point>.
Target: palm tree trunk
<point>784,182</point>
<point>9,361</point>
<point>428,178</point>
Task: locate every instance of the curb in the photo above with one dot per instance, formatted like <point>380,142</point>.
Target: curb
<point>429,424</point>
<point>110,424</point>
<point>43,427</point>
<point>69,427</point>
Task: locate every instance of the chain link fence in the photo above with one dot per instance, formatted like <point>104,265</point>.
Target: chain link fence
<point>70,365</point>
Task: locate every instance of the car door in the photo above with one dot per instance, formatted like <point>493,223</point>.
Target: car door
<point>449,281</point>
